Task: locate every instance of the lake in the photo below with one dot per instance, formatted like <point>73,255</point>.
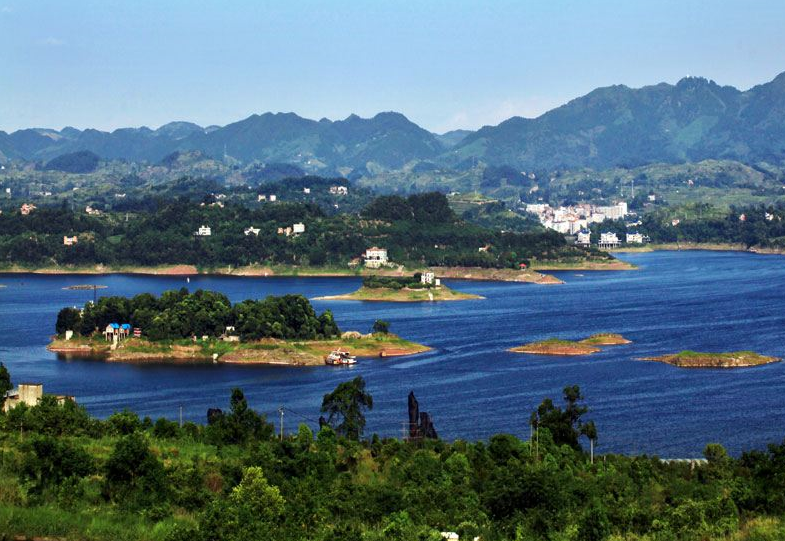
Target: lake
<point>472,387</point>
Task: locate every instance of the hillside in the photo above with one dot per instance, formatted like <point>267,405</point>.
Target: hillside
<point>696,119</point>
<point>616,126</point>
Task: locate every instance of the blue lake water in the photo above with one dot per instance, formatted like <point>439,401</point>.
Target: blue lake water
<point>708,301</point>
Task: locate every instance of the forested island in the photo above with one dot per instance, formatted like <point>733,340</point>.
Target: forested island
<point>68,475</point>
<point>417,288</point>
<point>206,326</point>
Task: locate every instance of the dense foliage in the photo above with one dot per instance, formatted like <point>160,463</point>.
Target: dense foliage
<point>394,282</point>
<point>179,314</point>
<point>419,230</point>
<point>233,479</point>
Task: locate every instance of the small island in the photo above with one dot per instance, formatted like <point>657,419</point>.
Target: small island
<point>205,326</point>
<point>733,359</point>
<point>421,287</point>
<point>557,346</point>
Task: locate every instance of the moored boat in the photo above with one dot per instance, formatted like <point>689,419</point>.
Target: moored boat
<point>339,357</point>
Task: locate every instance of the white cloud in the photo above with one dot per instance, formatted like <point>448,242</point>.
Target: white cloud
<point>52,42</point>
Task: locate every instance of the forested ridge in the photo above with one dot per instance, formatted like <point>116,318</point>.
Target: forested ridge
<point>66,474</point>
<point>418,230</point>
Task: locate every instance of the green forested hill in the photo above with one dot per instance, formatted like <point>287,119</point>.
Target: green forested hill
<point>694,120</point>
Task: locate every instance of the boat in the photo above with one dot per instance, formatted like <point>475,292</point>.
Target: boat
<point>338,357</point>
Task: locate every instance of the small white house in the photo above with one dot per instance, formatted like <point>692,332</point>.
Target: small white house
<point>261,197</point>
<point>634,238</point>
<point>251,231</point>
<point>427,278</point>
<point>609,240</point>
<point>273,198</point>
<point>375,257</point>
<point>70,241</point>
<point>306,190</point>
<point>298,228</point>
<point>204,231</point>
<point>584,238</point>
<point>339,190</point>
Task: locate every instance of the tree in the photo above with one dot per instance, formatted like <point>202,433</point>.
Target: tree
<point>252,511</point>
<point>564,425</point>
<point>346,404</point>
<point>381,326</point>
<point>68,319</point>
<point>51,461</point>
<point>135,477</point>
<point>5,381</point>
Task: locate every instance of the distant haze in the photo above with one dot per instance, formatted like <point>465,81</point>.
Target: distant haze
<point>446,65</point>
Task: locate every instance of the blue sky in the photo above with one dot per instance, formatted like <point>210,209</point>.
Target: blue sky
<point>444,64</point>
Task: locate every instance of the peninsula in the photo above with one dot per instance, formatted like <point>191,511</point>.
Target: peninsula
<point>694,359</point>
<point>557,346</point>
<point>205,326</point>
<point>422,287</point>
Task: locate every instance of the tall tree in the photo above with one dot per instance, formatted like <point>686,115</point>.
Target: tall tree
<point>345,408</point>
<point>5,381</point>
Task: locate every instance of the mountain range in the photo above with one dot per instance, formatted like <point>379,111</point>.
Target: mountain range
<point>615,126</point>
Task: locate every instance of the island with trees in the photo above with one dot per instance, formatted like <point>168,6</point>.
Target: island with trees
<point>421,287</point>
<point>557,346</point>
<point>237,477</point>
<point>694,359</point>
<point>206,326</point>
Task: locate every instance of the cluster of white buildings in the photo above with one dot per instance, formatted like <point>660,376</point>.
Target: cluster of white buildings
<point>574,219</point>
<point>610,240</point>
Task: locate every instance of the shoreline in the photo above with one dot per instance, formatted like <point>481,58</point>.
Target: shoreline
<point>267,351</point>
<point>366,294</point>
<point>257,271</point>
<point>704,246</point>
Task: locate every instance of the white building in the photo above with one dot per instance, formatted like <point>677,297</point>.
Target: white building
<point>298,228</point>
<point>584,238</point>
<point>427,278</point>
<point>375,257</point>
<point>204,231</point>
<point>260,198</point>
<point>634,238</point>
<point>70,241</point>
<point>273,197</point>
<point>251,231</point>
<point>306,190</point>
<point>613,212</point>
<point>609,240</point>
<point>339,190</point>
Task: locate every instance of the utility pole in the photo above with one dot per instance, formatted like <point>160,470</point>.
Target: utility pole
<point>181,417</point>
<point>591,449</point>
<point>280,411</point>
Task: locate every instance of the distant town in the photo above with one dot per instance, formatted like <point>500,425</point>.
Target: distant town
<point>577,219</point>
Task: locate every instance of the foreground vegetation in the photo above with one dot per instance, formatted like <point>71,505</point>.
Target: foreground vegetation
<point>65,474</point>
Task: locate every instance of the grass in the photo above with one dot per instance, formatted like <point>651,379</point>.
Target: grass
<point>730,359</point>
<point>88,524</point>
